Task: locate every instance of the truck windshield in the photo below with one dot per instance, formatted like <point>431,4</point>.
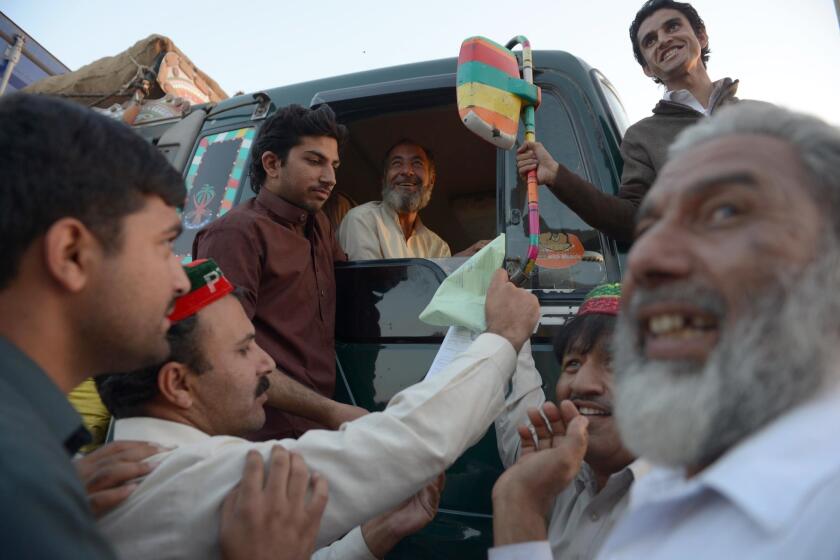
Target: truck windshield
<point>214,177</point>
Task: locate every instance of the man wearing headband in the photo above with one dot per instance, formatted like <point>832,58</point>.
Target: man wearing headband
<point>583,513</point>
<point>212,389</point>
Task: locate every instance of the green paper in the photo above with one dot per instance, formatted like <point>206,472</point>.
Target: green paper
<point>459,301</point>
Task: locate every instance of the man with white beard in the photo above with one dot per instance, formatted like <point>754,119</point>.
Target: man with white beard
<point>391,228</point>
<point>726,352</point>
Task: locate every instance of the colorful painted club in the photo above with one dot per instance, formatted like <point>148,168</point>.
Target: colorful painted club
<point>491,98</point>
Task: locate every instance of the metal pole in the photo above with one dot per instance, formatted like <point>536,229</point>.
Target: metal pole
<point>12,58</point>
<point>522,275</point>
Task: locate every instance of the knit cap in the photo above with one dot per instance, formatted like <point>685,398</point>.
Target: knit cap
<point>604,299</point>
<point>207,284</point>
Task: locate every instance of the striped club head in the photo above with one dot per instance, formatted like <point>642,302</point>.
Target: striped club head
<point>490,92</point>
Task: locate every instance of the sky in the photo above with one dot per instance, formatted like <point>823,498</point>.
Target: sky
<point>782,51</point>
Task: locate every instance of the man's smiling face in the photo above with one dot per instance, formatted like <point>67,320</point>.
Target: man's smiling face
<point>408,179</point>
<point>717,221</point>
<point>730,260</point>
<point>586,378</point>
<point>669,45</point>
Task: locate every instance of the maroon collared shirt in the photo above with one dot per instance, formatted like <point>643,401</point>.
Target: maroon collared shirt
<point>282,258</point>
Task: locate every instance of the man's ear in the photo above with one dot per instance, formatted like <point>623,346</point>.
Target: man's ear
<point>174,384</point>
<point>271,164</point>
<point>71,253</point>
<point>702,38</point>
<point>648,73</point>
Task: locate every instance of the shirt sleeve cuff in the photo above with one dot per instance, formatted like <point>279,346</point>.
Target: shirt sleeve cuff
<point>356,547</point>
<point>499,346</point>
<point>534,550</point>
<point>351,546</point>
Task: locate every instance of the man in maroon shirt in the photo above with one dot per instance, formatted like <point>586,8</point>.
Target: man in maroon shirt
<point>279,248</point>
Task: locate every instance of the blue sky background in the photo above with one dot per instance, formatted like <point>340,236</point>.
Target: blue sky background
<point>783,51</point>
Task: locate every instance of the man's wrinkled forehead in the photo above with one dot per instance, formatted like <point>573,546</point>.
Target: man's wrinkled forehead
<point>658,19</point>
<point>758,161</point>
<point>407,148</point>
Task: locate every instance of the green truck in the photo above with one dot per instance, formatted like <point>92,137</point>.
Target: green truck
<point>381,345</point>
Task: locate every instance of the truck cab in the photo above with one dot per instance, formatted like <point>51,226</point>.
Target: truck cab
<point>381,345</point>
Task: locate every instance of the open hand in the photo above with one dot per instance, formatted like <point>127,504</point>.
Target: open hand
<point>109,474</point>
<point>271,517</point>
<point>382,533</point>
<point>547,464</point>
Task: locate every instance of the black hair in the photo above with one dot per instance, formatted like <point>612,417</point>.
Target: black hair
<point>652,6</point>
<point>283,131</point>
<point>60,159</point>
<point>126,394</point>
<point>403,141</point>
<point>584,334</point>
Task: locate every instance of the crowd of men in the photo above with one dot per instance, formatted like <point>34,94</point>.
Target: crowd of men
<point>696,402</point>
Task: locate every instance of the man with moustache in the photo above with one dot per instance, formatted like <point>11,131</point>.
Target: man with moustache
<point>726,360</point>
<point>279,248</point>
<point>670,43</point>
<point>391,228</point>
<point>213,387</point>
<point>585,511</point>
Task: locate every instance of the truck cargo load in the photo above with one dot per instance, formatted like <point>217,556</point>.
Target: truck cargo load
<point>153,76</point>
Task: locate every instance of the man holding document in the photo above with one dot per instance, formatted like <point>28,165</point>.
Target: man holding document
<point>371,464</point>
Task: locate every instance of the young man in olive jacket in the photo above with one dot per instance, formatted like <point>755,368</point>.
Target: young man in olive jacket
<point>670,43</point>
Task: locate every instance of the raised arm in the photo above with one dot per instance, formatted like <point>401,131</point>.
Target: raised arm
<point>380,459</point>
<point>613,215</point>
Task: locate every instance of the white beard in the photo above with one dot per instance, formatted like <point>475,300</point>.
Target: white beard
<point>406,202</point>
<point>778,353</point>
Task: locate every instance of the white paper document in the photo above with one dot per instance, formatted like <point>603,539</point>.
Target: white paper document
<point>457,340</point>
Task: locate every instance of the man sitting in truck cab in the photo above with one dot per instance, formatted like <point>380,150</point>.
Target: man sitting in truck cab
<point>391,228</point>
<point>670,43</point>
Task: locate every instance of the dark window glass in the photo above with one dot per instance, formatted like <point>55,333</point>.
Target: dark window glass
<point>571,255</point>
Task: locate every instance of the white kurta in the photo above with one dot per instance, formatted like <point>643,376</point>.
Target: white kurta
<point>371,464</point>
<point>373,231</point>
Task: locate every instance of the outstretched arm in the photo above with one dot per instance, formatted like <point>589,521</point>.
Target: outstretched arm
<point>613,215</point>
<point>380,459</point>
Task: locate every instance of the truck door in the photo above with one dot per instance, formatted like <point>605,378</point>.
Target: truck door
<point>381,346</point>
